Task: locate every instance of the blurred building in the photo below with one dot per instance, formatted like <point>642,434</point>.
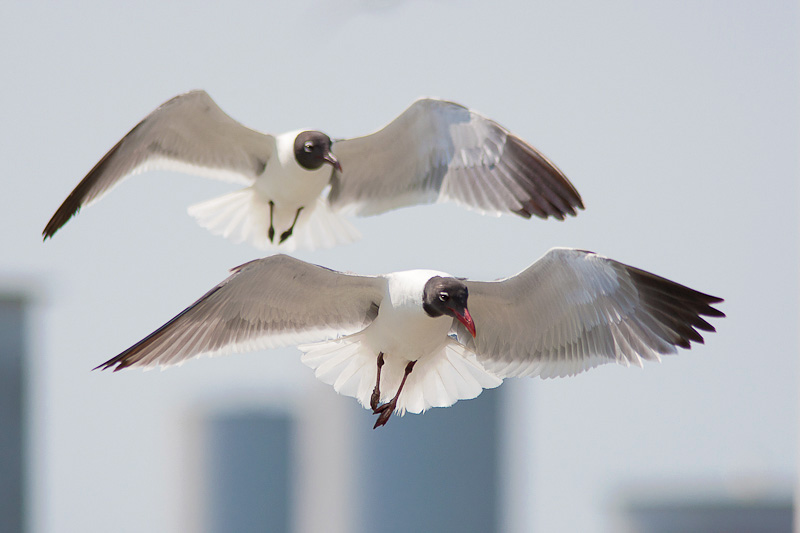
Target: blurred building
<point>708,515</point>
<point>13,411</point>
<point>438,472</point>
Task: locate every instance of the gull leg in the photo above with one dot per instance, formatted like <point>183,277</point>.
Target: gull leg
<point>375,399</point>
<point>388,408</point>
<point>271,230</point>
<point>288,233</point>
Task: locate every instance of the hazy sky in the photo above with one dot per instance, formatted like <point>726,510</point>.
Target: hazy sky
<point>677,123</point>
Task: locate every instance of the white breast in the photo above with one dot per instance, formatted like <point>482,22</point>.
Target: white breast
<point>285,182</point>
<point>402,329</point>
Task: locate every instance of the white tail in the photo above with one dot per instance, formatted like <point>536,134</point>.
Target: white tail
<point>243,216</point>
<point>439,380</point>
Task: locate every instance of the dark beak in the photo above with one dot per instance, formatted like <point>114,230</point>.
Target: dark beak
<point>466,319</point>
<point>330,158</point>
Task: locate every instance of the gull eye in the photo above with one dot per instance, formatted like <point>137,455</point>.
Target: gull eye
<point>308,147</point>
<point>443,296</point>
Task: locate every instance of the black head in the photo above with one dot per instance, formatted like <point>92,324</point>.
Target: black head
<point>312,149</point>
<point>447,296</point>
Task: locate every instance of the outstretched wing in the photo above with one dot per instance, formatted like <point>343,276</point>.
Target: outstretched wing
<point>573,310</point>
<point>438,151</point>
<point>188,133</point>
<point>265,303</point>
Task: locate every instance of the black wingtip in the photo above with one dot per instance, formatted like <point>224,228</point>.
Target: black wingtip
<point>86,190</point>
<point>115,363</point>
<point>61,216</point>
<point>104,366</point>
<point>67,210</point>
<point>550,192</point>
<point>680,308</point>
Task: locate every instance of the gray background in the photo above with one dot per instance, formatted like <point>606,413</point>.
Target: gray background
<point>676,122</point>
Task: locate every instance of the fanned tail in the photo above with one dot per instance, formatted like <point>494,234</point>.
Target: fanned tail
<point>243,216</point>
<point>345,363</point>
<point>319,227</point>
<point>438,380</point>
<point>238,216</point>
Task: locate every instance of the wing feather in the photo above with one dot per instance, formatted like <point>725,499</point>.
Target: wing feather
<point>441,151</point>
<point>188,133</point>
<point>573,310</point>
<point>266,303</point>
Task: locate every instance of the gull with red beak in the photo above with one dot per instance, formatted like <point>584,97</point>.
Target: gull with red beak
<point>434,151</point>
<point>411,340</point>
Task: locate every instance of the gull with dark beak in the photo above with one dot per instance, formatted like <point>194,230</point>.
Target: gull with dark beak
<point>298,184</point>
<point>411,340</point>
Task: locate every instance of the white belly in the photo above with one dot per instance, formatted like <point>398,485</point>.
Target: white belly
<point>406,335</point>
<point>290,186</point>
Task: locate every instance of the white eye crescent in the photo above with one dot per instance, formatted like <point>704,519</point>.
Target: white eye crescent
<point>308,146</point>
<point>443,296</point>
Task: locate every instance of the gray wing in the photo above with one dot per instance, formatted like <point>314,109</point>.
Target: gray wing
<point>266,303</point>
<point>437,151</point>
<point>188,133</point>
<point>573,310</point>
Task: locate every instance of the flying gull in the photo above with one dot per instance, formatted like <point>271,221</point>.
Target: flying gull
<point>299,184</point>
<point>408,341</point>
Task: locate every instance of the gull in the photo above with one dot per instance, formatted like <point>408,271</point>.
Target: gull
<point>408,341</point>
<point>299,185</point>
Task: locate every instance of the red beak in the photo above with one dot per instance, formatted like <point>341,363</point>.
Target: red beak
<point>330,158</point>
<point>466,319</point>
